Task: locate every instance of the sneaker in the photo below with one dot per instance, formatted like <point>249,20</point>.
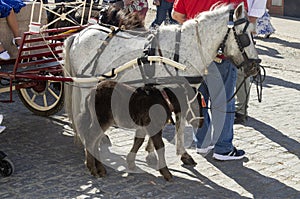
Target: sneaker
<point>205,150</point>
<point>4,55</point>
<point>232,155</point>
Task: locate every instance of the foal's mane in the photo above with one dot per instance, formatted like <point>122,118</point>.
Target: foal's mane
<point>121,18</point>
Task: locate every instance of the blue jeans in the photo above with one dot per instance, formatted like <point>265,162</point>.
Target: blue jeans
<point>162,11</point>
<point>217,128</point>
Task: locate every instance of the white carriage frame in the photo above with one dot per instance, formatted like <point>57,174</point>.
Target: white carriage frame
<point>36,24</point>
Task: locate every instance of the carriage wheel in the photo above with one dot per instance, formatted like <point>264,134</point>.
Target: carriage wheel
<point>6,167</point>
<point>43,99</point>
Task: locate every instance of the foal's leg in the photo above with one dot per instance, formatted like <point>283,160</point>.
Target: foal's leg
<point>160,149</point>
<point>138,141</point>
<point>95,167</point>
<point>151,157</point>
<point>180,150</point>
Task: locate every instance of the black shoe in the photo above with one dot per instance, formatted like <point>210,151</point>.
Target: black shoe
<point>232,155</point>
<point>240,118</point>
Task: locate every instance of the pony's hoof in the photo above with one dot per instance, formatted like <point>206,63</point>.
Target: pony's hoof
<point>188,160</point>
<point>106,141</point>
<point>132,166</point>
<point>102,173</point>
<point>166,174</point>
<point>98,173</point>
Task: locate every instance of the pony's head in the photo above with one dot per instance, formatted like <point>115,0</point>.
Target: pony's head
<point>244,54</point>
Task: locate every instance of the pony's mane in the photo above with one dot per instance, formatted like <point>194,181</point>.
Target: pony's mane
<point>121,18</point>
<point>215,11</point>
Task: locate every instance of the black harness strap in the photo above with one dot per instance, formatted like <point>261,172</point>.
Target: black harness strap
<point>177,45</point>
<point>94,62</point>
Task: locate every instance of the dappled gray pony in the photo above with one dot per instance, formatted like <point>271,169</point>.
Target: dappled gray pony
<point>97,50</point>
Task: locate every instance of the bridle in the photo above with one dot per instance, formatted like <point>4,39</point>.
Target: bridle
<point>242,41</point>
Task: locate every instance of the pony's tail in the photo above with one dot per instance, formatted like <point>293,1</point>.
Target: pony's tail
<point>67,73</point>
<point>68,88</point>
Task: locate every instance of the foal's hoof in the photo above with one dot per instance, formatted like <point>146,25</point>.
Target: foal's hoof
<point>166,174</point>
<point>130,159</point>
<point>98,173</point>
<point>188,160</point>
<point>151,159</point>
<point>97,170</point>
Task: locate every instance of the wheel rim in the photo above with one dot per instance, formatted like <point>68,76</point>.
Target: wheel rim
<point>44,96</point>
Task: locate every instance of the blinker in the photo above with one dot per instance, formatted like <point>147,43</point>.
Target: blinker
<point>244,40</point>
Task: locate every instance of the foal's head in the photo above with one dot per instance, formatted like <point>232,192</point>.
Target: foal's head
<point>121,18</point>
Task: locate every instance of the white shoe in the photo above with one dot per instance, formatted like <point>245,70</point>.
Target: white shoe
<point>205,150</point>
<point>232,155</point>
<point>2,128</point>
<point>14,41</point>
<point>4,55</point>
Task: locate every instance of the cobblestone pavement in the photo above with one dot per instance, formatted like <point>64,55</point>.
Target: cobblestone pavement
<point>48,164</point>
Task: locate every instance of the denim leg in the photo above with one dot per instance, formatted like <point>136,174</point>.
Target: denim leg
<point>219,87</point>
<point>161,13</point>
<point>202,135</point>
<point>171,20</point>
<point>228,73</point>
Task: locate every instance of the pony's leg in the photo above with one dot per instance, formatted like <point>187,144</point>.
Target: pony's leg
<point>180,150</point>
<point>160,149</point>
<point>95,167</point>
<point>151,157</point>
<point>138,141</point>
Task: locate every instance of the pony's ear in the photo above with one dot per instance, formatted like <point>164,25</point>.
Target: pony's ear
<point>239,12</point>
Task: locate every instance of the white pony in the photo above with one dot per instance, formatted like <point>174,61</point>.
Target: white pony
<point>97,50</point>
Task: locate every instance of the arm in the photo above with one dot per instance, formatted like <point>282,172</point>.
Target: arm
<point>180,18</point>
<point>256,8</point>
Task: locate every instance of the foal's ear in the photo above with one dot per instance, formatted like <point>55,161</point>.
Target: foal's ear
<point>239,12</point>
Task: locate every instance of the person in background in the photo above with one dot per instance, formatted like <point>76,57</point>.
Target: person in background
<point>116,3</point>
<point>264,26</point>
<point>256,9</point>
<point>8,8</point>
<point>138,6</point>
<point>163,12</point>
<point>220,75</point>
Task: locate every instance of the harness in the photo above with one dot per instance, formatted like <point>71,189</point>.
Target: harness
<point>242,41</point>
<point>153,46</point>
<point>111,32</point>
<point>251,67</point>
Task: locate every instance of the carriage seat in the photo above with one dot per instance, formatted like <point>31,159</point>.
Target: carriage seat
<point>23,18</point>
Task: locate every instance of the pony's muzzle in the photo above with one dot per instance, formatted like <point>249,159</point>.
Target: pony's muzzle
<point>251,68</point>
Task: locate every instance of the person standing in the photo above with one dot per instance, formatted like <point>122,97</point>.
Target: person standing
<point>264,26</point>
<point>137,6</point>
<point>220,76</point>
<point>163,11</point>
<point>8,8</point>
<point>256,9</point>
